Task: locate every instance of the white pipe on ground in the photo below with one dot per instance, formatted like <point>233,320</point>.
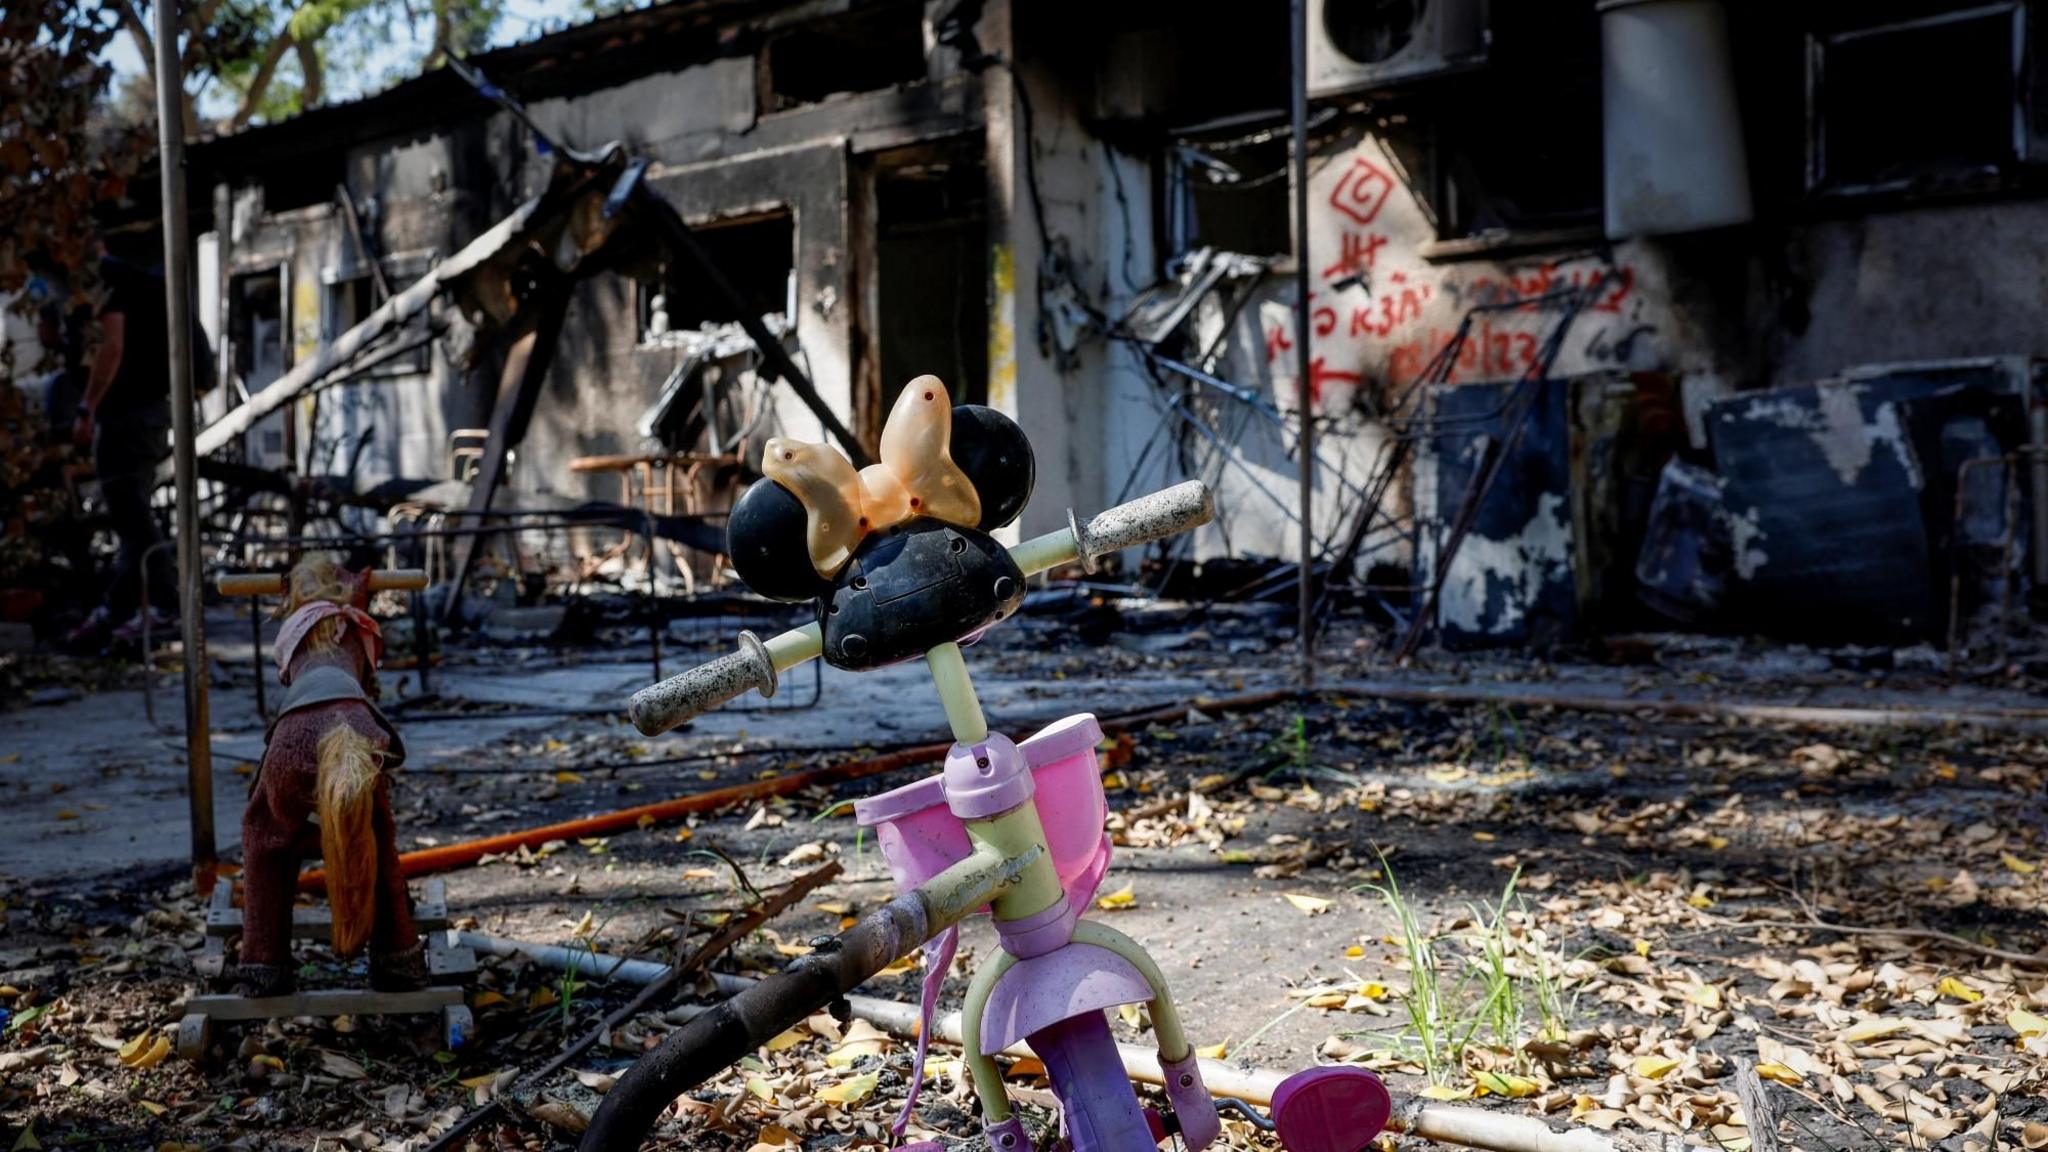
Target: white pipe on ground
<point>1467,1127</point>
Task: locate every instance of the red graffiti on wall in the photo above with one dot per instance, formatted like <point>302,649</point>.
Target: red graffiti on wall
<point>1614,285</point>
<point>1361,191</point>
<point>1359,253</point>
<point>1320,374</point>
<point>1488,352</point>
<point>1391,312</point>
<point>1277,342</point>
<point>1323,319</point>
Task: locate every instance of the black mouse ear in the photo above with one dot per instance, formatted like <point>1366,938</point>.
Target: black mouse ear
<point>765,536</point>
<point>996,456</point>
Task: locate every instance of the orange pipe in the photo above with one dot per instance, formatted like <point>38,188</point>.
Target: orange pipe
<point>444,857</point>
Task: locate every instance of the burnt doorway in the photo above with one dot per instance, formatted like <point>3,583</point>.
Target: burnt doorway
<point>931,309</point>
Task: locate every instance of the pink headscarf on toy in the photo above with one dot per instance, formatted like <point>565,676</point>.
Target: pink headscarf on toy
<point>300,624</point>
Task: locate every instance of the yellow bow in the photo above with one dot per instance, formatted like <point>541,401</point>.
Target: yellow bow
<point>917,477</point>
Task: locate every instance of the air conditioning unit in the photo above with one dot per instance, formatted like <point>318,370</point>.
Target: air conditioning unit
<point>1361,44</point>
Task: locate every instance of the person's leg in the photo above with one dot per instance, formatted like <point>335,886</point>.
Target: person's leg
<point>127,473</point>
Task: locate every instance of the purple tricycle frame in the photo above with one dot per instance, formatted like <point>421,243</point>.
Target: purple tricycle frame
<point>1015,831</point>
<point>1058,974</point>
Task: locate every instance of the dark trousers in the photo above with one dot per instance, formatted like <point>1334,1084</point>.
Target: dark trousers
<point>125,453</point>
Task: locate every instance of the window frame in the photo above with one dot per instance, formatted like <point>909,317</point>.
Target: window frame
<point>1818,181</point>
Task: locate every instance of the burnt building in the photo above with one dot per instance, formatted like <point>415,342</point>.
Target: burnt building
<point>1620,312</point>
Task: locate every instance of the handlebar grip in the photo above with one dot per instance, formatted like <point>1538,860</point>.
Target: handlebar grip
<point>1167,512</point>
<point>659,707</point>
<point>250,583</point>
<point>397,579</point>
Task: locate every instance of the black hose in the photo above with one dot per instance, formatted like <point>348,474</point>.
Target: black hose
<point>733,1029</point>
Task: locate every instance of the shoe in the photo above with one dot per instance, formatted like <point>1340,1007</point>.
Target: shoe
<point>91,633</point>
<point>162,626</point>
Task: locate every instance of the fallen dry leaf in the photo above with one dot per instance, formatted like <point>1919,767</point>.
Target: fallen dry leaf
<point>1654,1067</point>
<point>1122,898</point>
<point>145,1051</point>
<point>1950,986</point>
<point>1506,1084</point>
<point>1876,1028</point>
<point>850,1091</point>
<point>559,1115</point>
<point>1309,905</point>
<point>335,1064</point>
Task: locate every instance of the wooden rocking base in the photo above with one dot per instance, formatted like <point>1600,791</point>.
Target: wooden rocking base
<point>444,958</point>
<point>195,1031</point>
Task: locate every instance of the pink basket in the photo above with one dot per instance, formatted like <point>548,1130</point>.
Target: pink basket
<point>920,837</point>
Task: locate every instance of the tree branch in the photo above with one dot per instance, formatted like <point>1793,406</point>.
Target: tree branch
<point>259,84</point>
<point>313,85</point>
<point>1949,939</point>
<point>139,32</point>
<point>444,30</point>
<point>197,20</point>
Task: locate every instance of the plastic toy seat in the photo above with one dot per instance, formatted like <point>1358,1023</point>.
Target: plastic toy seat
<point>1334,1109</point>
<point>919,836</point>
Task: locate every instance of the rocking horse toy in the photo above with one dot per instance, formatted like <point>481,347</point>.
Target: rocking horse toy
<point>899,564</point>
<point>322,791</point>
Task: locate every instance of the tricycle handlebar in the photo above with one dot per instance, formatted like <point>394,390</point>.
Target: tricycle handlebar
<point>756,663</point>
<point>272,583</point>
<point>1167,512</point>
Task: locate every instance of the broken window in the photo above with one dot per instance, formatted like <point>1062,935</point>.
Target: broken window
<point>863,51</point>
<point>260,332</point>
<point>307,181</point>
<point>756,253</point>
<point>1231,194</point>
<point>1522,168</point>
<point>349,301</point>
<point>256,327</point>
<point>1492,166</point>
<point>931,283</point>
<point>1510,153</point>
<point>1932,100</point>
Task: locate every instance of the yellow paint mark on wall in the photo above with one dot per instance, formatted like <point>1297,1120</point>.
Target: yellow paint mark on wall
<point>305,316</point>
<point>1002,330</point>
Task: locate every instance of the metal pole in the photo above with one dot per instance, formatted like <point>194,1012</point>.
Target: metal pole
<point>1305,623</point>
<point>170,127</point>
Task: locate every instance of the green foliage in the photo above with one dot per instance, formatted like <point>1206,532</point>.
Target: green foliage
<point>1492,983</point>
<point>58,162</point>
<point>612,7</point>
<point>264,60</point>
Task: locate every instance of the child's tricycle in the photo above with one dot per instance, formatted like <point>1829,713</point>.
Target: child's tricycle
<point>900,564</point>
